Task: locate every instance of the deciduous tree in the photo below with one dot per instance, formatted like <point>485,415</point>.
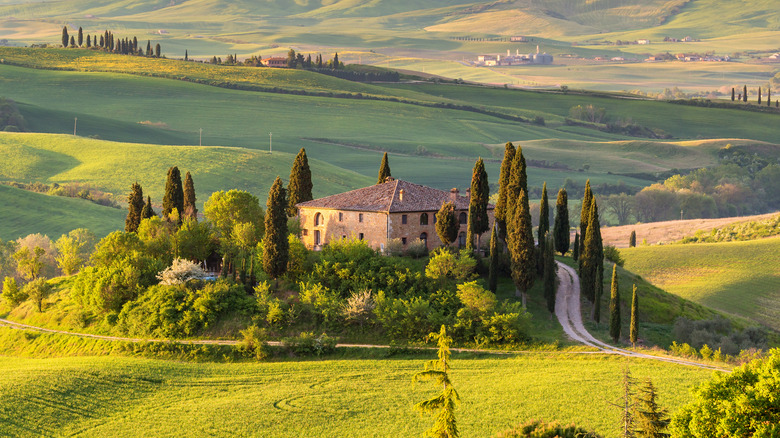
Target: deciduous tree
<point>300,186</point>
<point>226,209</point>
<point>561,225</point>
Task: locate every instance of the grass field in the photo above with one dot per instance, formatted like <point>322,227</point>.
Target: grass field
<point>109,396</point>
<point>26,212</point>
<point>739,278</point>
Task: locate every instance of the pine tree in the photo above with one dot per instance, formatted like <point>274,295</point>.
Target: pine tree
<point>493,270</point>
<point>148,211</point>
<point>65,37</point>
<point>174,193</point>
<point>632,239</point>
<point>584,212</point>
<point>135,206</point>
<point>543,229</point>
<point>521,252</point>
<point>744,93</point>
<point>561,225</point>
<point>614,307</point>
<point>442,405</point>
<point>299,188</point>
<point>575,254</point>
<point>500,211</point>
<point>80,36</point>
<point>651,420</point>
<point>627,405</point>
<point>634,334</point>
<point>190,210</point>
<point>384,170</point>
<point>478,221</point>
<point>447,224</point>
<point>550,270</point>
<point>275,244</point>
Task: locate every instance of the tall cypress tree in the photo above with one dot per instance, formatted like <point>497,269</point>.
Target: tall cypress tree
<point>447,224</point>
<point>732,94</point>
<point>584,212</point>
<point>493,270</point>
<point>72,41</point>
<point>478,221</point>
<point>561,225</point>
<point>575,253</point>
<point>759,95</point>
<point>190,210</point>
<point>148,48</point>
<point>520,241</point>
<point>500,211</point>
<point>80,36</point>
<point>614,307</point>
<point>174,193</point>
<point>744,93</point>
<point>632,239</point>
<point>592,262</point>
<point>89,41</point>
<point>634,334</point>
<point>148,211</point>
<point>65,37</point>
<point>157,50</point>
<point>299,188</point>
<point>276,248</point>
<point>549,273</point>
<point>384,170</point>
<point>543,229</point>
<point>135,205</point>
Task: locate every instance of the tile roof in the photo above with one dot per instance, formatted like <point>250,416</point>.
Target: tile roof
<point>387,198</point>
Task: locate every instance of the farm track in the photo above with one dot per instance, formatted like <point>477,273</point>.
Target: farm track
<point>567,310</point>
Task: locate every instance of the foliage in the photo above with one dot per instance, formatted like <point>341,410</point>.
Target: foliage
<point>135,206</point>
<point>308,344</point>
<point>181,271</point>
<point>718,333</point>
<point>11,292</point>
<point>73,250</point>
<point>417,248</point>
<point>494,261</point>
<point>561,225</point>
<point>29,263</point>
<point>195,240</point>
<point>37,290</point>
<point>323,304</point>
<point>394,247</point>
<point>276,250</point>
<point>157,236</point>
<point>174,193</point>
<point>520,242</point>
<point>407,319</point>
<point>540,429</point>
<point>254,342</point>
<point>226,209</point>
<point>587,199</point>
<point>359,307</point>
<point>750,230</point>
<point>550,273</point>
<point>588,113</point>
<point>10,117</point>
<point>632,240</point>
<point>447,224</point>
<point>650,418</point>
<point>300,185</point>
<point>612,254</point>
<point>634,330</point>
<point>544,222</point>
<point>476,298</point>
<point>384,170</point>
<point>442,405</point>
<point>444,264</point>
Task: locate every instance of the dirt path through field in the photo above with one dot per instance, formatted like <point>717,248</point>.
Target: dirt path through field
<point>567,310</point>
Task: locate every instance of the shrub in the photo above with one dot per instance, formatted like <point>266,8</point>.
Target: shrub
<point>394,247</point>
<point>254,343</point>
<point>307,344</point>
<point>181,271</point>
<point>447,265</point>
<point>683,350</point>
<point>539,429</point>
<point>507,328</point>
<point>417,249</point>
<point>12,293</point>
<point>476,298</point>
<point>406,319</point>
<point>359,307</point>
<point>613,255</point>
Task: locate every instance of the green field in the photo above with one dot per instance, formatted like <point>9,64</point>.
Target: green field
<point>109,396</point>
<point>739,278</point>
<point>26,212</point>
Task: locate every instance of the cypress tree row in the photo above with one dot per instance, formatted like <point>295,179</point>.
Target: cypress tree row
<point>575,254</point>
<point>299,188</point>
<point>190,211</point>
<point>148,211</point>
<point>493,270</point>
<point>500,211</point>
<point>544,228</point>
<point>174,193</point>
<point>584,212</point>
<point>614,307</point>
<point>550,269</point>
<point>520,242</point>
<point>135,206</point>
<point>632,239</point>
<point>275,245</point>
<point>634,331</point>
<point>384,170</point>
<point>447,224</point>
<point>478,221</point>
<point>561,224</point>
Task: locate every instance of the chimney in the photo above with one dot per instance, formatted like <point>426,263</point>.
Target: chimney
<point>401,195</point>
<point>389,179</point>
<point>468,193</point>
<point>454,194</point>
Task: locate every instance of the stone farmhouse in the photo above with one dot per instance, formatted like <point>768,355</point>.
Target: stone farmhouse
<point>395,209</point>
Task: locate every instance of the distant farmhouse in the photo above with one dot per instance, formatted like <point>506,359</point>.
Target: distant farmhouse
<point>277,62</point>
<point>395,209</point>
<point>516,59</point>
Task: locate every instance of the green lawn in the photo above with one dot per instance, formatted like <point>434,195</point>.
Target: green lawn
<point>740,278</point>
<point>110,396</point>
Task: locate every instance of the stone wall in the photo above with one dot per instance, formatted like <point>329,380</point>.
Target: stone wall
<point>332,227</point>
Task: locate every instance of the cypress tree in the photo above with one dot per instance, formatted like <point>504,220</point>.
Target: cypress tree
<point>89,41</point>
<point>592,262</point>
<point>65,37</point>
<point>174,193</point>
<point>190,210</point>
<point>561,225</point>
<point>336,61</point>
<point>549,273</point>
<point>759,95</point>
<point>632,239</point>
<point>384,170</point>
<point>500,211</point>
<point>187,56</point>
<point>493,270</point>
<point>520,241</point>
<point>447,224</point>
<point>81,36</point>
<point>102,41</point>
<point>72,41</point>
<point>769,96</point>
<point>744,93</point>
<point>732,94</point>
<point>299,188</point>
<point>135,206</point>
<point>478,221</point>
<point>584,212</point>
<point>157,50</point>
<point>634,334</point>
<point>275,244</point>
<point>575,254</point>
<point>148,48</point>
<point>148,211</point>
<point>614,307</point>
<point>543,229</point>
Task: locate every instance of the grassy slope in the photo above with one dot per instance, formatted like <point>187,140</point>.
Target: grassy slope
<point>106,396</point>
<point>740,278</point>
<point>26,212</point>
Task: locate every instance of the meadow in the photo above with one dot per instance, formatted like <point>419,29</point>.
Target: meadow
<point>110,395</point>
<point>738,278</point>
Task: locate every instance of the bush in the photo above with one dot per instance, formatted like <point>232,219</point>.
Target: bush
<point>254,343</point>
<point>406,319</point>
<point>394,247</point>
<point>539,429</point>
<point>683,350</point>
<point>417,249</point>
<point>323,304</point>
<point>613,255</point>
<point>12,293</point>
<point>444,264</point>
<point>359,307</point>
<point>307,344</point>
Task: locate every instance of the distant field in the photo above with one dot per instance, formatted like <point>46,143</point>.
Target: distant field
<point>740,278</point>
<point>110,396</point>
<point>26,212</point>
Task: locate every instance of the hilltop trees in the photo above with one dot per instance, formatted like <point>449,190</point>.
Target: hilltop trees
<point>275,243</point>
<point>500,211</point>
<point>189,211</point>
<point>135,206</point>
<point>384,170</point>
<point>478,221</point>
<point>300,186</point>
<point>174,193</point>
<point>561,225</point>
<point>447,224</point>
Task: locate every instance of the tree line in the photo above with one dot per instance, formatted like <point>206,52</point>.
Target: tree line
<point>108,42</point>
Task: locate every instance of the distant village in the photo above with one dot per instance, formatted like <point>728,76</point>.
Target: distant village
<point>516,59</point>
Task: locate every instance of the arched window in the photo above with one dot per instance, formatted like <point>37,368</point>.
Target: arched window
<point>463,219</point>
<point>423,220</point>
<point>318,219</point>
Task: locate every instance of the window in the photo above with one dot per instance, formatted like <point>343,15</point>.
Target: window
<point>461,240</point>
<point>341,217</point>
<point>424,219</point>
<point>318,219</point>
<point>403,240</point>
<point>463,219</point>
<point>305,232</point>
<point>317,239</point>
<point>360,219</point>
<point>360,236</point>
<point>403,219</point>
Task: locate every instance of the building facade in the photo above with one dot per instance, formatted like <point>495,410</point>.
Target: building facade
<point>393,210</point>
